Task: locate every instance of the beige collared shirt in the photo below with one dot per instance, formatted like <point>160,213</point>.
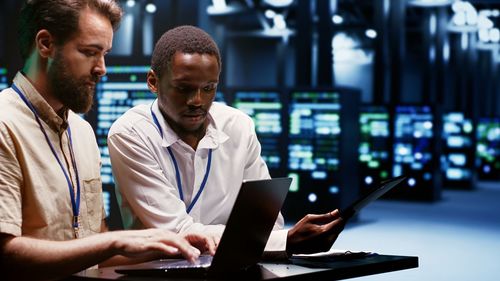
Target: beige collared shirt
<point>34,194</point>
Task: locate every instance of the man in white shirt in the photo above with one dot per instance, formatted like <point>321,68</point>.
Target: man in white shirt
<point>179,162</point>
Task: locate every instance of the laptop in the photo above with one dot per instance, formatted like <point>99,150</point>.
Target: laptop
<point>242,244</point>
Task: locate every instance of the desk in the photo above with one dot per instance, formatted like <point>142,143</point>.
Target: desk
<point>331,270</point>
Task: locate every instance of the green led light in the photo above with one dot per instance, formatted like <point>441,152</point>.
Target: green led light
<point>365,158</point>
<point>294,187</point>
<point>373,164</point>
<point>258,105</point>
<point>468,127</point>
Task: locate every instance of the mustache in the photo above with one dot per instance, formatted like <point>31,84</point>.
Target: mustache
<point>195,111</point>
<point>95,79</point>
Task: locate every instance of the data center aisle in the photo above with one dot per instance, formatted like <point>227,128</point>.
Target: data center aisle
<point>457,238</point>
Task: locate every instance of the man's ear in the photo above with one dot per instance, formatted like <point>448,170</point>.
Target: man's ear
<point>153,81</point>
<point>44,43</point>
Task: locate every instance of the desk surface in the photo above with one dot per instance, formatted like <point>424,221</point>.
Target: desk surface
<point>295,270</point>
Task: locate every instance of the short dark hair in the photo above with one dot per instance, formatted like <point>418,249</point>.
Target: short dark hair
<point>60,18</point>
<point>186,39</point>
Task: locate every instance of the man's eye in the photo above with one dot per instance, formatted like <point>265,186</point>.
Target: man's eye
<point>209,88</point>
<point>183,89</point>
<point>90,53</point>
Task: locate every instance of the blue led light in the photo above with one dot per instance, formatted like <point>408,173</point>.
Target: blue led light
<point>334,189</point>
<point>412,182</point>
<point>457,159</point>
<point>368,180</point>
<point>312,197</point>
<point>107,202</point>
<point>3,78</point>
<point>455,174</point>
<point>321,175</point>
<point>486,169</point>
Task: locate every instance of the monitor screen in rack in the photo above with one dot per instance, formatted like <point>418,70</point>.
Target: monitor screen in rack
<point>265,108</point>
<point>314,136</point>
<point>413,136</point>
<point>488,148</point>
<point>374,147</point>
<point>457,136</point>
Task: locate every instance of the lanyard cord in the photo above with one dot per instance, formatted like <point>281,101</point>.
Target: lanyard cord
<point>75,201</point>
<point>177,170</point>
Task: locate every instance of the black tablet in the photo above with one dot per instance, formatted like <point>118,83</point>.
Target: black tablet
<point>369,197</point>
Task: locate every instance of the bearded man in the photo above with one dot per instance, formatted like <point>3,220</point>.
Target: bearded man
<point>51,206</point>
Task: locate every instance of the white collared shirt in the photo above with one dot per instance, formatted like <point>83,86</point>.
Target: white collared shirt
<point>146,177</point>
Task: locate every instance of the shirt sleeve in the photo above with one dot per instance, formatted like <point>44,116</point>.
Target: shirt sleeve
<point>146,191</point>
<point>10,186</point>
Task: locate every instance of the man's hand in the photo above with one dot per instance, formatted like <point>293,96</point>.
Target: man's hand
<point>204,243</point>
<point>314,233</point>
<point>161,243</point>
<point>26,258</point>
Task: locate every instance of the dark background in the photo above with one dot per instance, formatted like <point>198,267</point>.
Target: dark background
<point>386,52</point>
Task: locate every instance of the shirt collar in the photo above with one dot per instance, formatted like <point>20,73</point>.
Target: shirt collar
<point>212,139</point>
<point>44,110</point>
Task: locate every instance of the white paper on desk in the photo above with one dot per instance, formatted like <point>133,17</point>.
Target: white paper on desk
<point>331,253</point>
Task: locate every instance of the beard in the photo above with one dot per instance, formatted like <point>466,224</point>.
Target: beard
<point>73,92</point>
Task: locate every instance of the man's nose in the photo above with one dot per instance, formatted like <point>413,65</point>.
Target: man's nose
<point>99,68</point>
<point>195,98</point>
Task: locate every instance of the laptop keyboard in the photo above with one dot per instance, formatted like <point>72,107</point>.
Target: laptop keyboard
<point>201,262</point>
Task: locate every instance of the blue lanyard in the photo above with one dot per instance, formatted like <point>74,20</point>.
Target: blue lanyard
<point>177,171</point>
<point>75,201</point>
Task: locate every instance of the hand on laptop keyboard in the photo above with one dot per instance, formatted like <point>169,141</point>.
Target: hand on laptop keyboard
<point>152,243</point>
<point>205,243</point>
